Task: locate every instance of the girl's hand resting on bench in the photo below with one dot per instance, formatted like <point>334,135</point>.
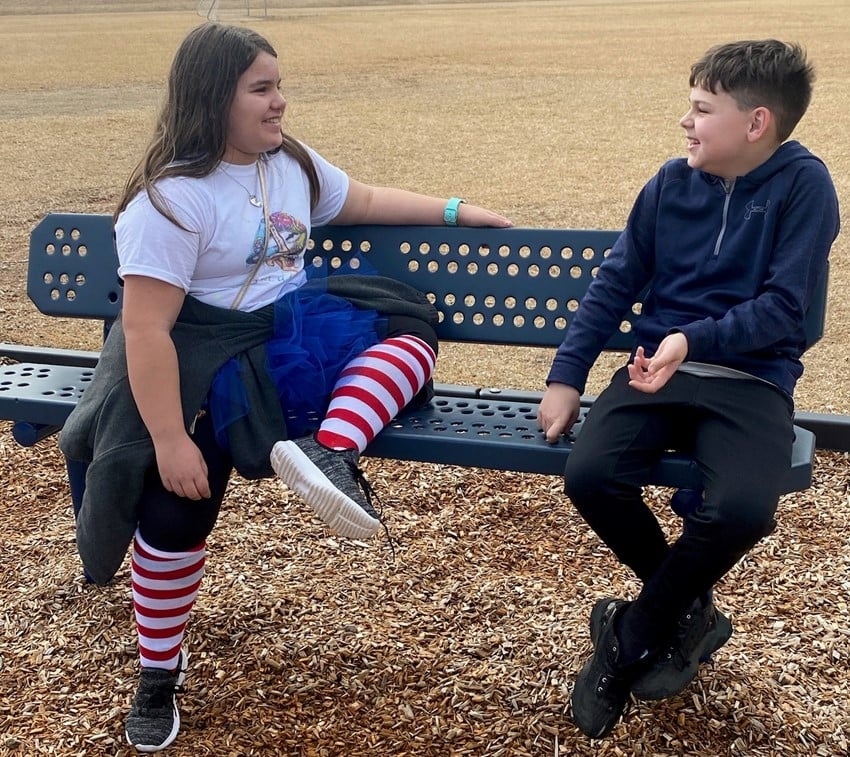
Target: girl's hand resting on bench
<point>472,215</point>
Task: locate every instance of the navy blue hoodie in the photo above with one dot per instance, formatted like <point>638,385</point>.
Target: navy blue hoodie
<point>731,264</point>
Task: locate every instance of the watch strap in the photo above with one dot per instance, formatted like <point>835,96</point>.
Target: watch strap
<point>450,213</point>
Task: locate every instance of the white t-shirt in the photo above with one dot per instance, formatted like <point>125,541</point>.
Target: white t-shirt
<point>212,260</point>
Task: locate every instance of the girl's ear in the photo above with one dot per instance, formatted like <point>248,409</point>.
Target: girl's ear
<point>761,119</point>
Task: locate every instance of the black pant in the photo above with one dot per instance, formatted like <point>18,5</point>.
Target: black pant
<point>175,524</point>
<point>740,432</point>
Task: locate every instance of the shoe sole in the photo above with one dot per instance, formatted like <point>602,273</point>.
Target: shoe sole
<point>711,642</point>
<point>334,508</point>
<point>182,667</point>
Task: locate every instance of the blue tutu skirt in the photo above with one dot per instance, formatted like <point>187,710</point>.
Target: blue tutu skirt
<point>316,336</point>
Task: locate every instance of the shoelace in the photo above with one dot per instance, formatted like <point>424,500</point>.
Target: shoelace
<point>675,651</point>
<point>613,684</point>
<point>365,487</point>
<point>369,495</point>
<point>160,697</point>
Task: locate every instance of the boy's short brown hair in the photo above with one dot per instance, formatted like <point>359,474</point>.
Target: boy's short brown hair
<point>768,73</point>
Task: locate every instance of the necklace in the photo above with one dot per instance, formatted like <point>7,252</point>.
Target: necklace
<point>252,196</point>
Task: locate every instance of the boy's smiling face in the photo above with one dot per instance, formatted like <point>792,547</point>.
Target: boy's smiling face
<point>719,134</point>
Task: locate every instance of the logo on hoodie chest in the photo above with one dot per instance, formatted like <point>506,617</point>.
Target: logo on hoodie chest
<point>752,209</point>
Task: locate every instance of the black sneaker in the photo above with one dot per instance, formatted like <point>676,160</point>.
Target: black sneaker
<point>330,482</point>
<point>601,614</point>
<point>602,688</point>
<point>700,633</point>
<point>154,721</point>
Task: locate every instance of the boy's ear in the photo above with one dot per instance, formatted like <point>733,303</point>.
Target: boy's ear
<point>761,121</point>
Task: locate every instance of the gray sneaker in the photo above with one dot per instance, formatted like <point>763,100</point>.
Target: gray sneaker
<point>700,633</point>
<point>154,721</point>
<point>330,482</point>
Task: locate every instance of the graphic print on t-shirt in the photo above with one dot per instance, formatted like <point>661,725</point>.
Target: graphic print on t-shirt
<point>287,241</point>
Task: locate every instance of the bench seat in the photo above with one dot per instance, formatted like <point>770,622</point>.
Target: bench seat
<point>462,425</point>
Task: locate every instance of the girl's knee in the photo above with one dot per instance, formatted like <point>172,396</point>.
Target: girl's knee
<point>403,325</point>
<point>176,529</point>
<point>173,540</point>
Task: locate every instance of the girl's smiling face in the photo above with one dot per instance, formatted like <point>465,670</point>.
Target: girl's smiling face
<point>253,126</point>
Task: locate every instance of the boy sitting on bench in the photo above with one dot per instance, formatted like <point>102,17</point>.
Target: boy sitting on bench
<point>733,241</point>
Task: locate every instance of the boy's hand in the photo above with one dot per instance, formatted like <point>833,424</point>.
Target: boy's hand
<point>651,374</point>
<point>558,410</point>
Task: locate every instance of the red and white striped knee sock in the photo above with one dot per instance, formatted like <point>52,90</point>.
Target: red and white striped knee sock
<point>373,388</point>
<point>165,585</point>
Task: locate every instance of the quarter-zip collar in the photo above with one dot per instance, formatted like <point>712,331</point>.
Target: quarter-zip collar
<point>728,188</point>
<point>785,154</point>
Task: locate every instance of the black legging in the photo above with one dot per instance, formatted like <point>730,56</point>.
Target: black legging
<point>175,524</point>
<point>740,432</point>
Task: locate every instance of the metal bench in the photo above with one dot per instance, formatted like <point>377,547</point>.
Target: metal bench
<point>513,286</point>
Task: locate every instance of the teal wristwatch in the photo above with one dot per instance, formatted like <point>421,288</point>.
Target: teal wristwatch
<point>450,213</point>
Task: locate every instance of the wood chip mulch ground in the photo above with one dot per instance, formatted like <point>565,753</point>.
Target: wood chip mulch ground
<point>464,641</point>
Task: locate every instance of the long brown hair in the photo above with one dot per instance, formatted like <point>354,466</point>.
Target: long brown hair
<point>190,136</point>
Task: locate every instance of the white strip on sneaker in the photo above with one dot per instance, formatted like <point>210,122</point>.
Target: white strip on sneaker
<point>182,665</point>
<point>335,508</point>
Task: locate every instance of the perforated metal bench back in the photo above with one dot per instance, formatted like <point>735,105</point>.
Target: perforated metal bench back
<point>508,286</point>
<point>511,286</point>
<point>73,267</point>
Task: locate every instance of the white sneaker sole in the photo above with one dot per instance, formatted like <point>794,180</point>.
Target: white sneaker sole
<point>338,511</point>
<point>149,748</point>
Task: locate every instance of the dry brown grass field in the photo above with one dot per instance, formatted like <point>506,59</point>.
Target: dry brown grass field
<point>467,641</point>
